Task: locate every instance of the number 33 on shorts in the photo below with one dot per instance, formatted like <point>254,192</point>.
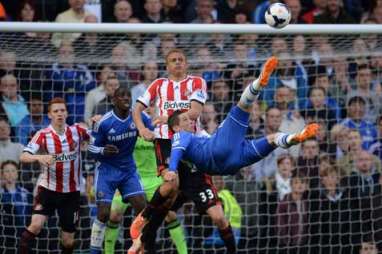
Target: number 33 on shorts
<point>206,195</point>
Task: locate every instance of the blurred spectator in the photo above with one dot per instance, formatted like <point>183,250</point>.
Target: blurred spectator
<point>368,246</point>
<point>227,9</point>
<point>346,162</point>
<point>90,44</point>
<point>272,191</point>
<point>94,96</point>
<point>295,10</point>
<point>75,14</point>
<point>15,206</point>
<point>210,69</point>
<point>8,63</point>
<point>319,8</point>
<point>355,119</point>
<point>329,214</point>
<point>376,148</point>
<point>8,149</point>
<point>232,212</point>
<point>256,122</point>
<point>122,11</point>
<point>374,14</point>
<point>70,81</point>
<point>238,68</point>
<point>278,45</point>
<point>323,138</point>
<point>318,108</point>
<point>204,9</point>
<point>292,218</point>
<point>339,137</point>
<point>220,97</point>
<point>219,46</point>
<point>27,12</point>
<point>149,73</point>
<point>13,103</point>
<point>288,74</point>
<point>30,124</point>
<point>364,88</point>
<point>124,61</point>
<point>172,11</point>
<point>363,184</point>
<point>340,83</point>
<point>334,14</point>
<point>153,9</point>
<point>267,167</point>
<point>299,48</point>
<point>259,13</point>
<point>308,162</point>
<point>105,105</point>
<point>208,118</point>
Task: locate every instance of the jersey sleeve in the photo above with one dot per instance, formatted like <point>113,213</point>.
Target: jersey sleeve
<point>199,93</point>
<point>83,132</point>
<point>37,142</point>
<point>147,121</point>
<point>180,142</point>
<point>150,94</point>
<point>97,140</point>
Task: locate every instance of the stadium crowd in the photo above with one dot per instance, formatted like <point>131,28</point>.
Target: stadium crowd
<point>324,196</point>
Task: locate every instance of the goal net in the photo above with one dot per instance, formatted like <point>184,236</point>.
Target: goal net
<point>323,196</point>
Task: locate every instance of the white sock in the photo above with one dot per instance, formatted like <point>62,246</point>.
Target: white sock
<point>98,234</point>
<point>284,140</point>
<point>250,93</point>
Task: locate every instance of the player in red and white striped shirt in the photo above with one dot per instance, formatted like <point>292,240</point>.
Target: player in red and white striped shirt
<point>57,149</point>
<point>179,91</point>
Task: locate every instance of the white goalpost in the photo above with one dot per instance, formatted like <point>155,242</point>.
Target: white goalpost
<point>333,59</point>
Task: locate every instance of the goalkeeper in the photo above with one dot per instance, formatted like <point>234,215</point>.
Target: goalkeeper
<point>145,160</point>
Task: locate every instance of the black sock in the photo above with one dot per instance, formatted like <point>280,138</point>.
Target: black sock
<point>149,232</point>
<point>229,239</point>
<point>156,201</point>
<point>26,237</point>
<point>67,250</point>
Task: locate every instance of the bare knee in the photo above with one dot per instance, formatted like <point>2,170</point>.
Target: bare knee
<point>35,228</point>
<point>103,212</point>
<point>171,216</point>
<point>116,217</point>
<point>67,240</point>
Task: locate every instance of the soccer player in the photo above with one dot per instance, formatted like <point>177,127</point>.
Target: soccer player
<point>227,150</point>
<point>57,149</point>
<point>179,91</point>
<point>113,141</point>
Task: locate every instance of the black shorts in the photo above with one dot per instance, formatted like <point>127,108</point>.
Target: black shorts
<point>197,187</point>
<point>67,205</point>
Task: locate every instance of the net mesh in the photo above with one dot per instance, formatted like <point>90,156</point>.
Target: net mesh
<point>341,207</point>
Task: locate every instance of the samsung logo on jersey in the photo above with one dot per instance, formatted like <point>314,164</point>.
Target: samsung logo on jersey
<point>65,156</point>
<point>176,105</point>
<point>120,137</point>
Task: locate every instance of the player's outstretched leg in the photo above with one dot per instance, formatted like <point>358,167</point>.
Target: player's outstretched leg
<point>287,140</point>
<point>251,93</point>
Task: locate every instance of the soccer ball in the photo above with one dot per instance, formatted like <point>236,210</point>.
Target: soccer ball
<point>277,15</point>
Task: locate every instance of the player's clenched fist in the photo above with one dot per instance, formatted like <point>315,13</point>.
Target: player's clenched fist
<point>169,176</point>
<point>110,150</point>
<point>146,134</point>
<point>45,160</point>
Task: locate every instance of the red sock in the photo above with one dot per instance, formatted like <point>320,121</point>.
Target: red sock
<point>26,237</point>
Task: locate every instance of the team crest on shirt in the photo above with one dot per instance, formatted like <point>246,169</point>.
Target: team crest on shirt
<point>100,194</point>
<point>132,125</point>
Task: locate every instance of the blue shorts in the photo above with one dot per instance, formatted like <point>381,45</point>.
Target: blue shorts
<point>230,149</point>
<point>108,179</point>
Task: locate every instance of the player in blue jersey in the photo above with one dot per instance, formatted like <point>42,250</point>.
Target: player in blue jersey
<point>113,142</point>
<point>227,150</point>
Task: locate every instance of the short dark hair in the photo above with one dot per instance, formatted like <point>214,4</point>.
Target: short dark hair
<point>355,99</point>
<point>174,119</point>
<point>12,162</point>
<point>122,88</point>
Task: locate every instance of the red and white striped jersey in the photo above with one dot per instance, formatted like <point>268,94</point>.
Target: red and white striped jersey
<point>65,174</point>
<point>168,96</point>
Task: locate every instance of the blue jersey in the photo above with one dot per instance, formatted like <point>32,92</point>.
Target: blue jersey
<point>119,132</point>
<point>225,152</point>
